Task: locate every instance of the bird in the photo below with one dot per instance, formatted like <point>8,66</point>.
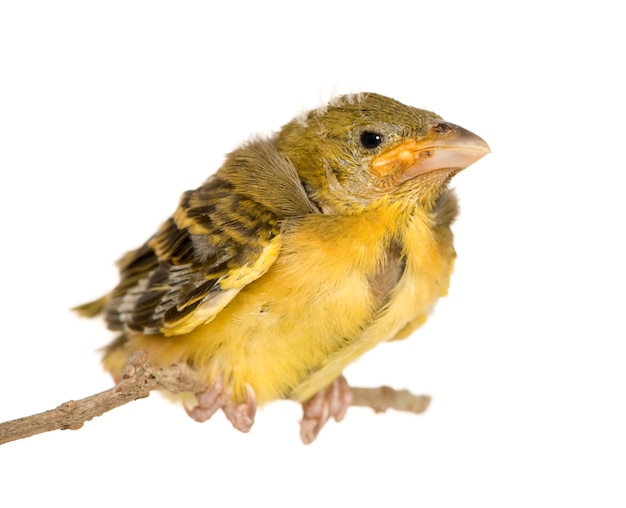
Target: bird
<point>304,250</point>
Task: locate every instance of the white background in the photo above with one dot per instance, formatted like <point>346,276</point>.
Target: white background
<point>110,110</point>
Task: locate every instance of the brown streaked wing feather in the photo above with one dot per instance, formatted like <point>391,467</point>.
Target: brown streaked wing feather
<point>223,236</point>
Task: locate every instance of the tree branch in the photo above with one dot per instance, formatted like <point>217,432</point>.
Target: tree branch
<point>140,378</point>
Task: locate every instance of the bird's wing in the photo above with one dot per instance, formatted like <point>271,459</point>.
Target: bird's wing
<point>222,237</point>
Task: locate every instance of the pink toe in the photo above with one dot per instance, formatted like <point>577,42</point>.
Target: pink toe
<point>242,415</point>
<point>209,401</point>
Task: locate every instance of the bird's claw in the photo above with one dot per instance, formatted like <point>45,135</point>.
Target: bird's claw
<point>213,398</point>
<point>332,401</point>
<point>242,415</point>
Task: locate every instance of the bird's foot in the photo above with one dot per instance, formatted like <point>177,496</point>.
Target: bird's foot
<point>214,398</point>
<point>242,415</point>
<point>332,401</point>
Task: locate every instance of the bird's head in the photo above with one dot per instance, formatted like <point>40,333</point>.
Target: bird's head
<point>367,148</point>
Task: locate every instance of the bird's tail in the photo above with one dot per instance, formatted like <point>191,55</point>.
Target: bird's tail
<point>92,309</point>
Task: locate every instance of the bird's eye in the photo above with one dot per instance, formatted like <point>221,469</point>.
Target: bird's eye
<point>371,139</point>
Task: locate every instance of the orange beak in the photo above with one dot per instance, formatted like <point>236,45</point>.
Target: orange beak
<point>445,146</point>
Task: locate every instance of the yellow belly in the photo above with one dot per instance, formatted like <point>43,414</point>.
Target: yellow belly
<point>291,332</point>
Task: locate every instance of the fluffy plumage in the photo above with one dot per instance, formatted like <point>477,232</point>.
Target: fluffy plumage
<point>302,252</point>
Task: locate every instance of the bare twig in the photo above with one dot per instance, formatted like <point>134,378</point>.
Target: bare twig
<point>383,398</point>
<point>140,378</point>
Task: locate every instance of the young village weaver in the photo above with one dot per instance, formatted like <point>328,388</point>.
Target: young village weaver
<point>302,252</point>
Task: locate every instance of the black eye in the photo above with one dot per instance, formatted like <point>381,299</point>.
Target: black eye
<point>371,139</point>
